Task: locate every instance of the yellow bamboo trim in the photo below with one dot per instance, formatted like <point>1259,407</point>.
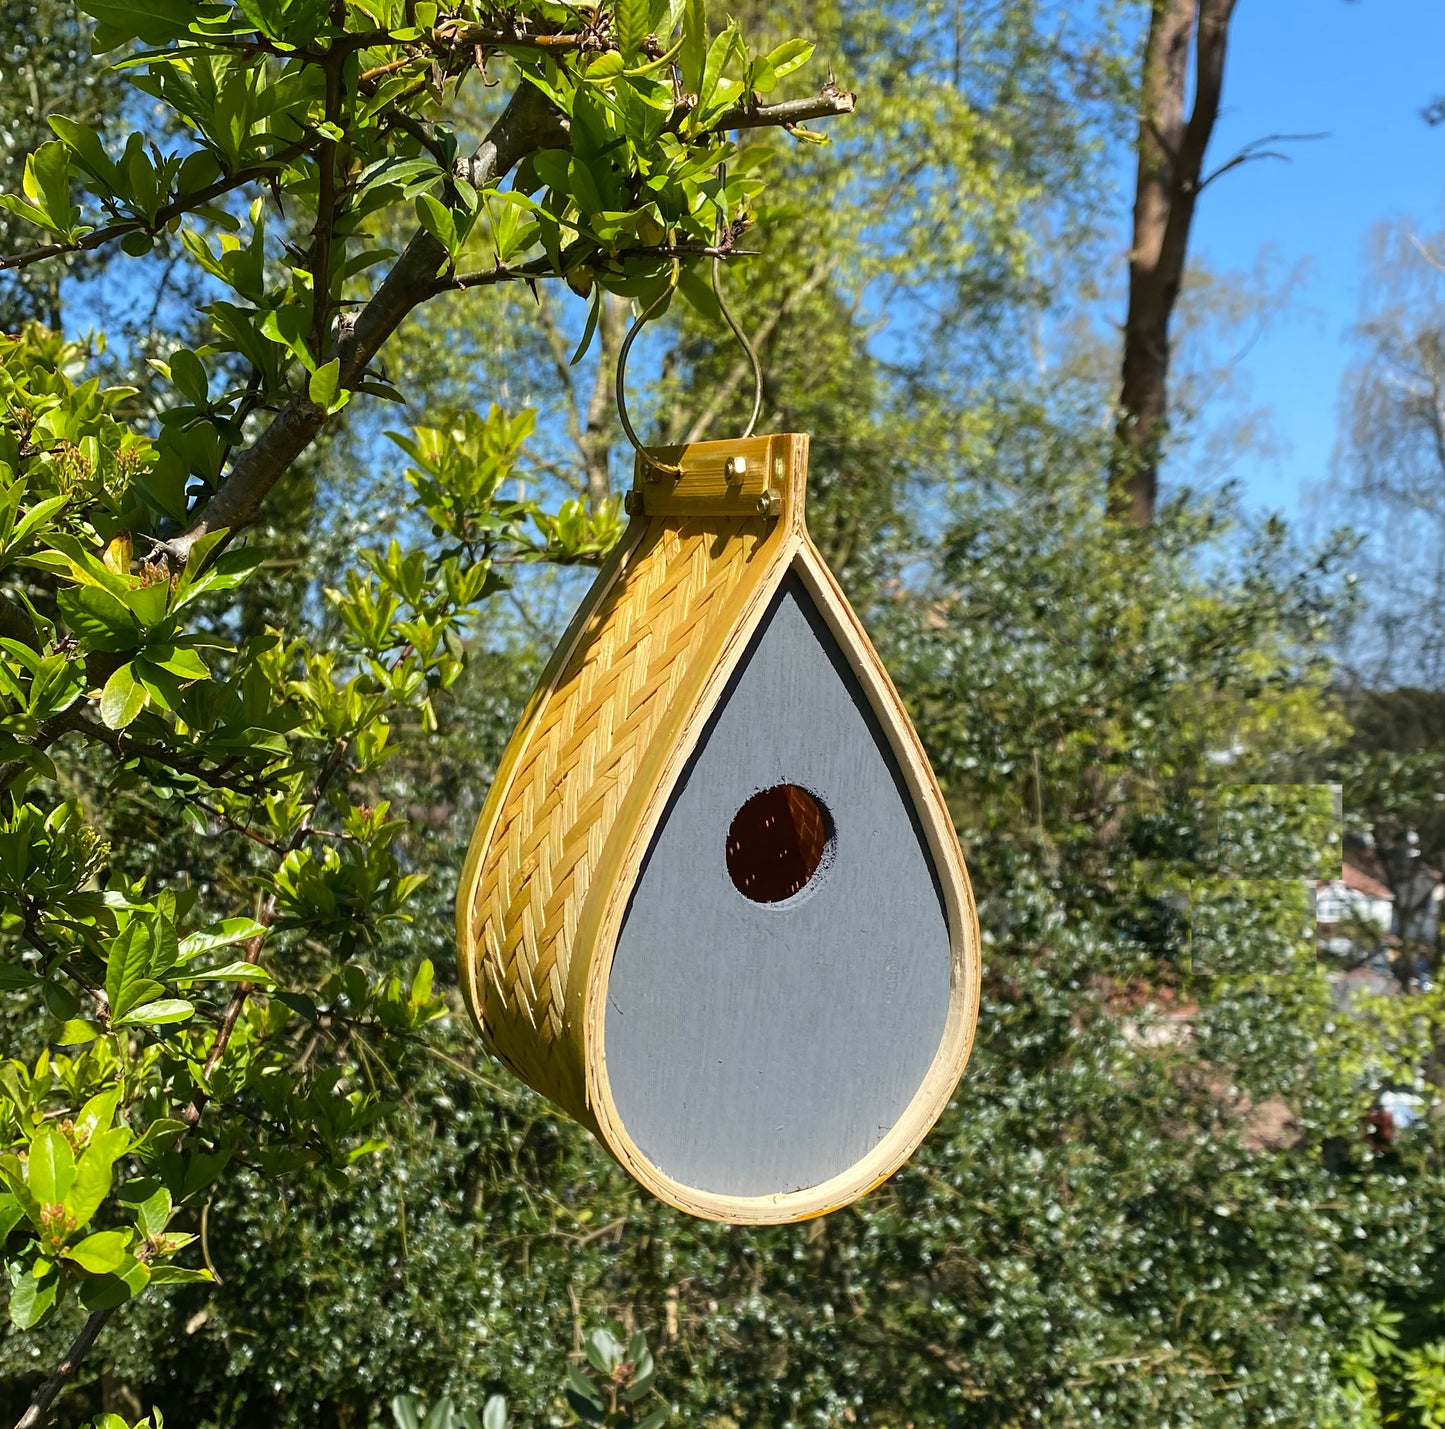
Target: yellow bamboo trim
<point>584,782</point>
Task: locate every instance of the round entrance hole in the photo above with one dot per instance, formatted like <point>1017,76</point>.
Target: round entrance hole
<point>776,843</point>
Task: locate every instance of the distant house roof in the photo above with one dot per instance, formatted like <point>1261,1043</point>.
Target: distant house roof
<point>1358,881</point>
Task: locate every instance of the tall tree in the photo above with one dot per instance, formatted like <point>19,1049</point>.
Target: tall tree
<point>1390,468</point>
<point>147,1019</point>
<point>1171,149</point>
<point>48,69</point>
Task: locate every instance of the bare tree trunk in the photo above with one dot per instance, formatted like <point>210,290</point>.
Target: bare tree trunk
<point>1171,152</point>
<point>599,430</point>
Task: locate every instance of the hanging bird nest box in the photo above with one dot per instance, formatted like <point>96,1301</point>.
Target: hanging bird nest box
<point>714,906</point>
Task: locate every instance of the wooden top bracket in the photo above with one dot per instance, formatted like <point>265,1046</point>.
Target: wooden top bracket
<point>758,476</point>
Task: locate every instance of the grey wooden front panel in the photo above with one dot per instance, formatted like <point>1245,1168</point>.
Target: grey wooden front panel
<point>761,1048</point>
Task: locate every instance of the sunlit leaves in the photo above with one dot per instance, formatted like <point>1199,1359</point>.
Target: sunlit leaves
<point>242,739</point>
<point>195,1021</point>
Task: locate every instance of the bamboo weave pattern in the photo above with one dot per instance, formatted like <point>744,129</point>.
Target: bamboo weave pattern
<point>582,751</point>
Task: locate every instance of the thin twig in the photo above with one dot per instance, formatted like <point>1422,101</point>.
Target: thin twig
<point>64,1372</point>
<point>183,204</point>
<point>1255,150</point>
<point>206,1243</point>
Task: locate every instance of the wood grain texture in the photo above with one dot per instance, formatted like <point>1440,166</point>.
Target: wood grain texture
<point>705,486</point>
<point>586,779</point>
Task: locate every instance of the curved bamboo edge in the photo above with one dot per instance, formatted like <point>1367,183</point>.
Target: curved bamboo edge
<point>570,1069</point>
<point>956,1043</point>
<point>616,694</point>
<point>469,955</point>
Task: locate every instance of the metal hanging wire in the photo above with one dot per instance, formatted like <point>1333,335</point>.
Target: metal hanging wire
<point>747,347</point>
<point>649,312</point>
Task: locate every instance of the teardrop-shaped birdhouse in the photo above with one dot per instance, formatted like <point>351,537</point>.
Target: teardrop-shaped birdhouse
<point>714,907</point>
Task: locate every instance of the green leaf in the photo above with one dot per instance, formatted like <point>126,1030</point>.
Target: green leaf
<point>36,516</point>
<point>603,1352</point>
<point>188,373</point>
<point>50,1166</point>
<point>179,1275</point>
<point>31,1300</point>
<point>103,1253</point>
<point>94,1168</point>
<point>128,961</point>
<point>93,1179</point>
<point>154,21</point>
<point>12,1173</point>
<point>299,1003</point>
<point>630,22</point>
<point>85,144</point>
<point>107,1291</point>
<point>583,1388</point>
<point>153,1213</point>
<point>607,65</point>
<point>11,1214</point>
<point>47,185</point>
<point>60,1001</point>
<point>441,1416</point>
<point>325,383</point>
<point>437,219</point>
<point>790,55</point>
<point>697,290</point>
<point>694,45</point>
<point>162,1130</point>
<point>406,1411</point>
<point>494,1416</point>
<point>718,54</point>
<point>98,618</point>
<point>123,698</point>
<point>224,934</point>
<point>179,660</point>
<point>160,1013</point>
<point>593,311</point>
<point>98,1114</point>
<point>230,972</point>
<point>289,325</point>
<point>76,1032</point>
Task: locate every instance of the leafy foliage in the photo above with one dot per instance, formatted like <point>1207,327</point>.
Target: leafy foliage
<point>249,699</point>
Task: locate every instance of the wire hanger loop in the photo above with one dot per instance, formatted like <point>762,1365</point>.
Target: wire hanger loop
<point>642,319</point>
<point>747,347</point>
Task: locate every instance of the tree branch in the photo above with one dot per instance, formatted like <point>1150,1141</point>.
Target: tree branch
<point>1255,149</point>
<point>824,105</point>
<point>48,732</point>
<point>64,1372</point>
<point>528,123</point>
<point>183,204</point>
<point>326,211</point>
<point>1170,164</point>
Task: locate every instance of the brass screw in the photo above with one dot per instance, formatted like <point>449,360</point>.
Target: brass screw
<point>735,468</point>
<point>770,504</point>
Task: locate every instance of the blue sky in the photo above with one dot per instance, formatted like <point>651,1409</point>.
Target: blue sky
<point>1362,72</point>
